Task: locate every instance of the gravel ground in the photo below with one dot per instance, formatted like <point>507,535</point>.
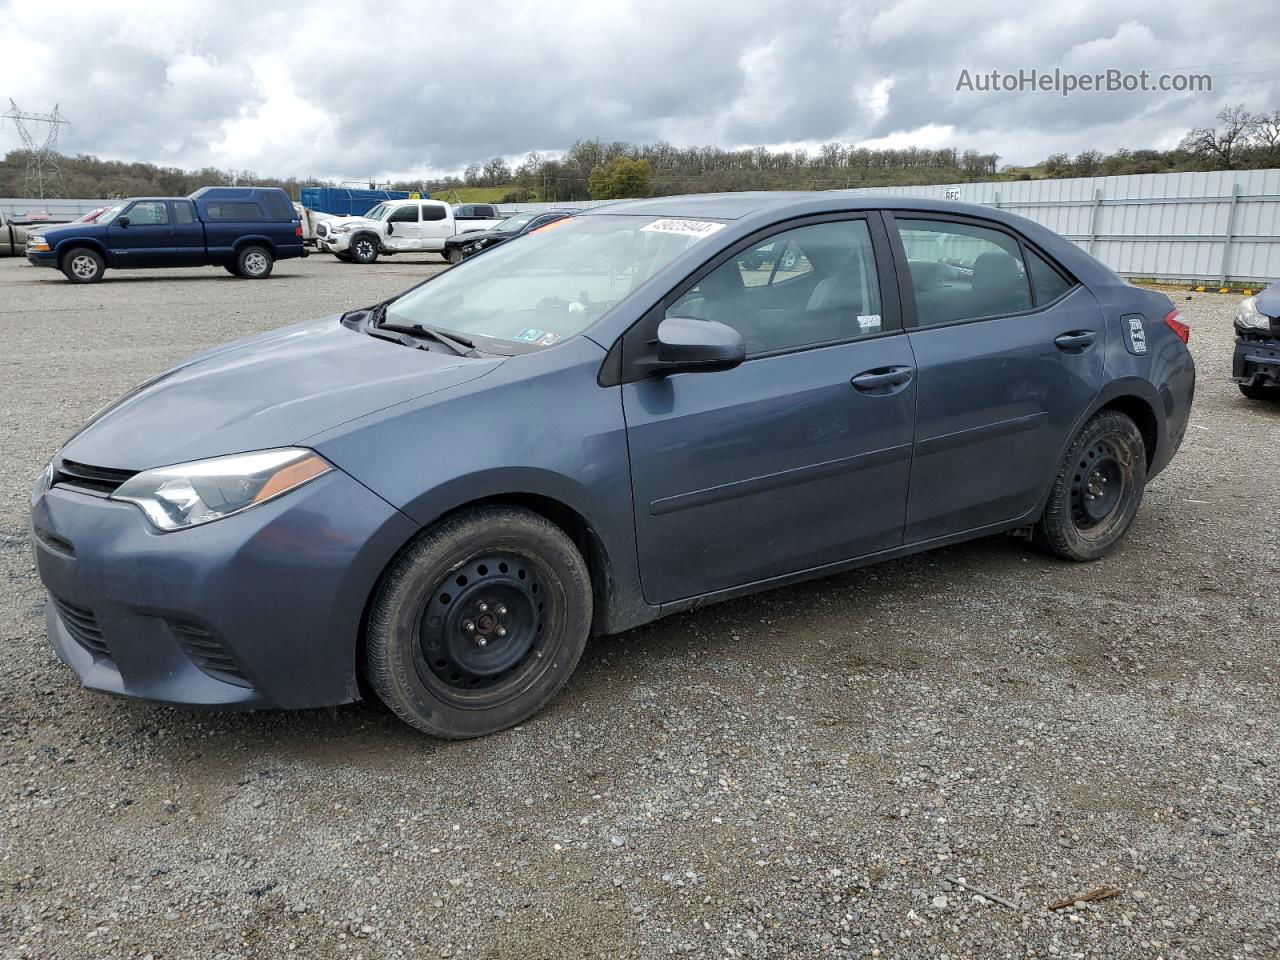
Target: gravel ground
<point>793,774</point>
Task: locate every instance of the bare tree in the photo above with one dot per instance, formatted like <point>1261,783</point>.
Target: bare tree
<point>1221,147</point>
<point>1264,132</point>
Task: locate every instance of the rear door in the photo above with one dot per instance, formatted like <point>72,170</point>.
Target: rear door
<point>1009,351</point>
<point>437,225</point>
<point>404,230</point>
<point>146,240</point>
<point>797,458</point>
<point>188,234</point>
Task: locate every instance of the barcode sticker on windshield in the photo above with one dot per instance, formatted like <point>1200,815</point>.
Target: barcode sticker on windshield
<point>686,228</point>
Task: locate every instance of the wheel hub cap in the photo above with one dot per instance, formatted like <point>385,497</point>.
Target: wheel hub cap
<point>483,622</point>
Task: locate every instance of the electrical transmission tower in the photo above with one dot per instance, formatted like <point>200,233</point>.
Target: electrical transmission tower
<point>44,178</point>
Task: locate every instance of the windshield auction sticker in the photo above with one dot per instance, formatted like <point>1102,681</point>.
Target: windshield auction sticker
<point>686,228</point>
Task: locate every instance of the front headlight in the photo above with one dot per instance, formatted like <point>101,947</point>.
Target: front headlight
<point>189,494</point>
<point>343,228</point>
<point>39,244</point>
<point>1248,317</point>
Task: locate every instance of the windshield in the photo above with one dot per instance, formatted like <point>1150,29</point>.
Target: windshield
<point>378,212</point>
<point>513,224</point>
<point>112,212</point>
<point>553,282</point>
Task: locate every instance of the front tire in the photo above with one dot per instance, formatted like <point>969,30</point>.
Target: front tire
<point>254,263</point>
<point>1261,391</point>
<point>364,249</point>
<point>479,622</point>
<point>1097,491</point>
<point>82,265</point>
<point>454,255</point>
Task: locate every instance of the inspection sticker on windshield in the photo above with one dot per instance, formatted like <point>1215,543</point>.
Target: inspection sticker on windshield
<point>686,228</point>
<point>541,337</point>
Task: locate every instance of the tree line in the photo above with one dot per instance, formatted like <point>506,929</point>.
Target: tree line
<point>593,169</point>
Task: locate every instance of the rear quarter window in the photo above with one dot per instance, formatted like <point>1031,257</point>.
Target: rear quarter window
<point>278,205</point>
<point>235,210</point>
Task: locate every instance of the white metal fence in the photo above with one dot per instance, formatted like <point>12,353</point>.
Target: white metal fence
<point>1211,227</point>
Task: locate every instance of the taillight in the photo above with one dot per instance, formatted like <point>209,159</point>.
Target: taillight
<point>297,231</point>
<point>1175,322</point>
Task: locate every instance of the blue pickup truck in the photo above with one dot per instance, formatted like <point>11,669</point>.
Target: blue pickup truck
<point>242,229</point>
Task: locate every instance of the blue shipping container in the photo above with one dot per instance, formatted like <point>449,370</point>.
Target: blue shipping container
<point>346,203</point>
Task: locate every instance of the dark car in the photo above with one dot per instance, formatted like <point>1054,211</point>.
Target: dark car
<point>463,245</point>
<point>1256,364</point>
<point>438,498</point>
<point>243,229</point>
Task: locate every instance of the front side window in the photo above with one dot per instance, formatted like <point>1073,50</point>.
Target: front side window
<point>405,214</point>
<point>963,272</point>
<point>149,213</point>
<point>553,284</point>
<point>810,285</point>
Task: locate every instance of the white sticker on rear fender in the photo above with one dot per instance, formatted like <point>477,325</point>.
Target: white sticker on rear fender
<point>1137,335</point>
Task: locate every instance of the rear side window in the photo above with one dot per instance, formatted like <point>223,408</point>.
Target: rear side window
<point>963,272</point>
<point>405,214</point>
<point>1049,283</point>
<point>235,210</point>
<point>182,212</point>
<point>278,205</point>
<point>433,213</point>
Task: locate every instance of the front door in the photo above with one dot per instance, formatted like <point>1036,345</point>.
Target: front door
<point>404,231</point>
<point>1009,351</point>
<point>146,240</point>
<point>800,456</point>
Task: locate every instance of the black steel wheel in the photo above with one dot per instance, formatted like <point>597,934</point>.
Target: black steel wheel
<point>1097,491</point>
<point>479,622</point>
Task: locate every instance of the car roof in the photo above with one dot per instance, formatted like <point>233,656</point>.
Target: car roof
<point>738,206</point>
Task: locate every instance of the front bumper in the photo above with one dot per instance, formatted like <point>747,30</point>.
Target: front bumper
<point>45,259</point>
<point>1256,361</point>
<point>260,609</point>
<point>334,243</point>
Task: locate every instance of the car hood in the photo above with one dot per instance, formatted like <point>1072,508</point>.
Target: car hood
<point>56,231</point>
<point>272,390</point>
<point>362,221</point>
<point>1268,301</point>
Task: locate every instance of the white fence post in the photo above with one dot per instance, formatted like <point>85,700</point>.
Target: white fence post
<point>1226,238</point>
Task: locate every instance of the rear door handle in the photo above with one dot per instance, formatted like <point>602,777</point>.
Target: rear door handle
<point>880,378</point>
<point>1075,340</point>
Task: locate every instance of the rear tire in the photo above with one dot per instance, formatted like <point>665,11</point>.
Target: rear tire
<point>83,265</point>
<point>254,263</point>
<point>1097,491</point>
<point>1261,391</point>
<point>364,249</point>
<point>479,622</point>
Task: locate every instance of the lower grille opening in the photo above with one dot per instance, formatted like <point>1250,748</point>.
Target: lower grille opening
<point>102,481</point>
<point>207,652</point>
<point>83,627</point>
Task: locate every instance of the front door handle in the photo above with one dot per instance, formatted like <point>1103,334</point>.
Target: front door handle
<point>1075,340</point>
<point>881,378</point>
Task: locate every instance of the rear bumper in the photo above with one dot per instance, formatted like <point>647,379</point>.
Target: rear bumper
<point>261,609</point>
<point>1256,362</point>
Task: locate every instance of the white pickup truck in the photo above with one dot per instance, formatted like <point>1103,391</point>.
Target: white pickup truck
<point>395,226</point>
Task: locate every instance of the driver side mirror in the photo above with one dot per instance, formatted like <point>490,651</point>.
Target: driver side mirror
<point>122,222</point>
<point>686,345</point>
<point>391,228</point>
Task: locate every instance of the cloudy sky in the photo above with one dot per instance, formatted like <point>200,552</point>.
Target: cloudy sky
<point>412,89</point>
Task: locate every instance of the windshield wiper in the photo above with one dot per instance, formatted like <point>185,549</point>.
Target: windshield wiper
<point>455,342</point>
